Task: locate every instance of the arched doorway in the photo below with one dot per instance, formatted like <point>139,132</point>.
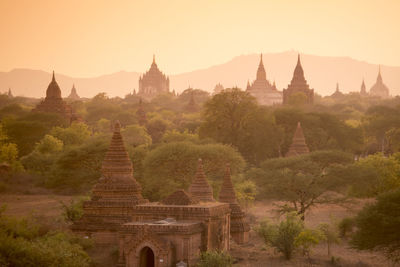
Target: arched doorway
<point>146,257</point>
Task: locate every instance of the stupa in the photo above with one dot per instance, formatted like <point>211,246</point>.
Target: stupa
<point>298,146</point>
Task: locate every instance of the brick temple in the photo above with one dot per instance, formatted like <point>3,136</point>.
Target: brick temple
<point>298,146</point>
<point>159,234</point>
<point>153,82</point>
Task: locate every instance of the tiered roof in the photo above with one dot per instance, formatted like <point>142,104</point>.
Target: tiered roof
<point>200,189</point>
<point>227,193</point>
<point>298,146</point>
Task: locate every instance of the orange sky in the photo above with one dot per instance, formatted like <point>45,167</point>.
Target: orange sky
<point>94,37</point>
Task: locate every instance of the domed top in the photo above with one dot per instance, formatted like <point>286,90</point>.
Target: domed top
<point>261,74</point>
<point>379,88</point>
<point>53,90</point>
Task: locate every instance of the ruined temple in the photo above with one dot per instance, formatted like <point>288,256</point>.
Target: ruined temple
<point>153,82</point>
<point>298,86</point>
<point>159,234</point>
<point>379,88</point>
<point>298,146</point>
<point>261,88</point>
<point>53,103</point>
<point>239,226</point>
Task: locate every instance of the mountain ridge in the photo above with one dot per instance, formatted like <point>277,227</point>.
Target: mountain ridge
<point>322,74</point>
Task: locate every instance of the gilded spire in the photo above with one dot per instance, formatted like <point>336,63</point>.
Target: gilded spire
<point>298,145</point>
<point>227,193</point>
<point>200,189</point>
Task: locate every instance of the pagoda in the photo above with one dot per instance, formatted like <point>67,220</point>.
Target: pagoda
<point>200,189</point>
<point>53,103</point>
<point>218,89</point>
<point>9,94</point>
<point>113,197</point>
<point>239,227</point>
<point>298,146</point>
<point>298,85</point>
<point>363,90</point>
<point>379,88</point>
<point>261,88</point>
<point>73,95</point>
<point>191,107</point>
<point>153,82</point>
<point>337,93</point>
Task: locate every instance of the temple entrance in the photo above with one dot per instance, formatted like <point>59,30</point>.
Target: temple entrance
<point>146,257</point>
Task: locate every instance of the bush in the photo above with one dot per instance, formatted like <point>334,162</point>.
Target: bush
<point>215,259</point>
<point>346,226</point>
<point>282,236</point>
<point>307,239</point>
<point>73,211</point>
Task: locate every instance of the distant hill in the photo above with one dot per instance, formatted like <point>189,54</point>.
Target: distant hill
<point>321,72</point>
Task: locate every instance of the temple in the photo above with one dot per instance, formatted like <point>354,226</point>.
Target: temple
<point>337,93</point>
<point>262,90</point>
<point>379,88</point>
<point>164,233</point>
<point>363,90</point>
<point>218,88</point>
<point>9,94</point>
<point>191,106</point>
<point>53,103</point>
<point>298,146</point>
<point>73,95</point>
<point>297,86</point>
<point>153,82</point>
<point>239,226</point>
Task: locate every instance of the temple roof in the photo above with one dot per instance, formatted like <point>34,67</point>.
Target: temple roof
<point>261,74</point>
<point>227,193</point>
<point>298,74</point>
<point>200,188</point>
<point>298,146</point>
<point>379,88</point>
<point>179,197</point>
<point>53,90</point>
<point>363,90</point>
<point>117,166</point>
<point>73,94</point>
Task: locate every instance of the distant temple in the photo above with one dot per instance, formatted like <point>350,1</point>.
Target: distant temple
<point>298,85</point>
<point>218,89</point>
<point>73,95</point>
<point>363,90</point>
<point>153,82</point>
<point>262,90</point>
<point>163,233</point>
<point>53,103</point>
<point>9,94</point>
<point>379,88</point>
<point>191,106</point>
<point>337,93</point>
<point>298,146</point>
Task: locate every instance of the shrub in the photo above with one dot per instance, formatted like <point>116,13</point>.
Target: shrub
<point>215,259</point>
<point>73,211</point>
<point>307,239</point>
<point>282,236</point>
<point>346,226</point>
<point>330,235</point>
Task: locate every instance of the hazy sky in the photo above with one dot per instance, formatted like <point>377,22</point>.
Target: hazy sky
<point>93,37</point>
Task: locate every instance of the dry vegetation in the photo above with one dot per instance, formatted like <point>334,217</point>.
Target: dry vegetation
<point>255,253</point>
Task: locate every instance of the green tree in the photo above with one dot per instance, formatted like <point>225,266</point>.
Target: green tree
<point>378,226</point>
<point>302,181</point>
<point>215,259</point>
<point>76,134</point>
<point>135,135</point>
<point>282,236</point>
<point>246,193</point>
<point>306,240</point>
<point>156,127</point>
<point>330,235</point>
<point>176,164</point>
<point>49,144</point>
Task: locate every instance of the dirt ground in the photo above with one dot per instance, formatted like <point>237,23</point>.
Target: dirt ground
<point>253,254</point>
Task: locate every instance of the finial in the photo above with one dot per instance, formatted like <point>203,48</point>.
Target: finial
<point>154,59</point>
<point>298,58</point>
<point>337,87</point>
<point>261,57</point>
<point>53,78</point>
<point>117,126</point>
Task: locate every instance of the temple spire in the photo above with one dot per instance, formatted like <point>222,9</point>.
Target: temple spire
<point>298,146</point>
<point>200,189</point>
<point>53,79</point>
<point>154,59</point>
<point>337,87</point>
<point>261,74</point>
<point>227,193</point>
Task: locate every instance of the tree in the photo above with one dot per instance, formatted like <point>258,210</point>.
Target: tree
<point>176,163</point>
<point>330,235</point>
<point>306,240</point>
<point>76,134</point>
<point>156,127</point>
<point>135,135</point>
<point>302,181</point>
<point>282,236</point>
<point>49,144</point>
<point>378,226</point>
<point>246,193</point>
<point>233,117</point>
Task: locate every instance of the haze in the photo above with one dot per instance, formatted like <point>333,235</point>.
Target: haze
<point>90,38</point>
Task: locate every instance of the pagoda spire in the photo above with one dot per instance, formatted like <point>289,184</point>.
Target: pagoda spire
<point>298,74</point>
<point>53,79</point>
<point>154,59</point>
<point>200,188</point>
<point>379,78</point>
<point>227,193</point>
<point>298,146</point>
<point>337,87</point>
<point>261,74</point>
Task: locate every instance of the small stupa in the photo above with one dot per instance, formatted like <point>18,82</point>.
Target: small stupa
<point>298,146</point>
<point>200,189</point>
